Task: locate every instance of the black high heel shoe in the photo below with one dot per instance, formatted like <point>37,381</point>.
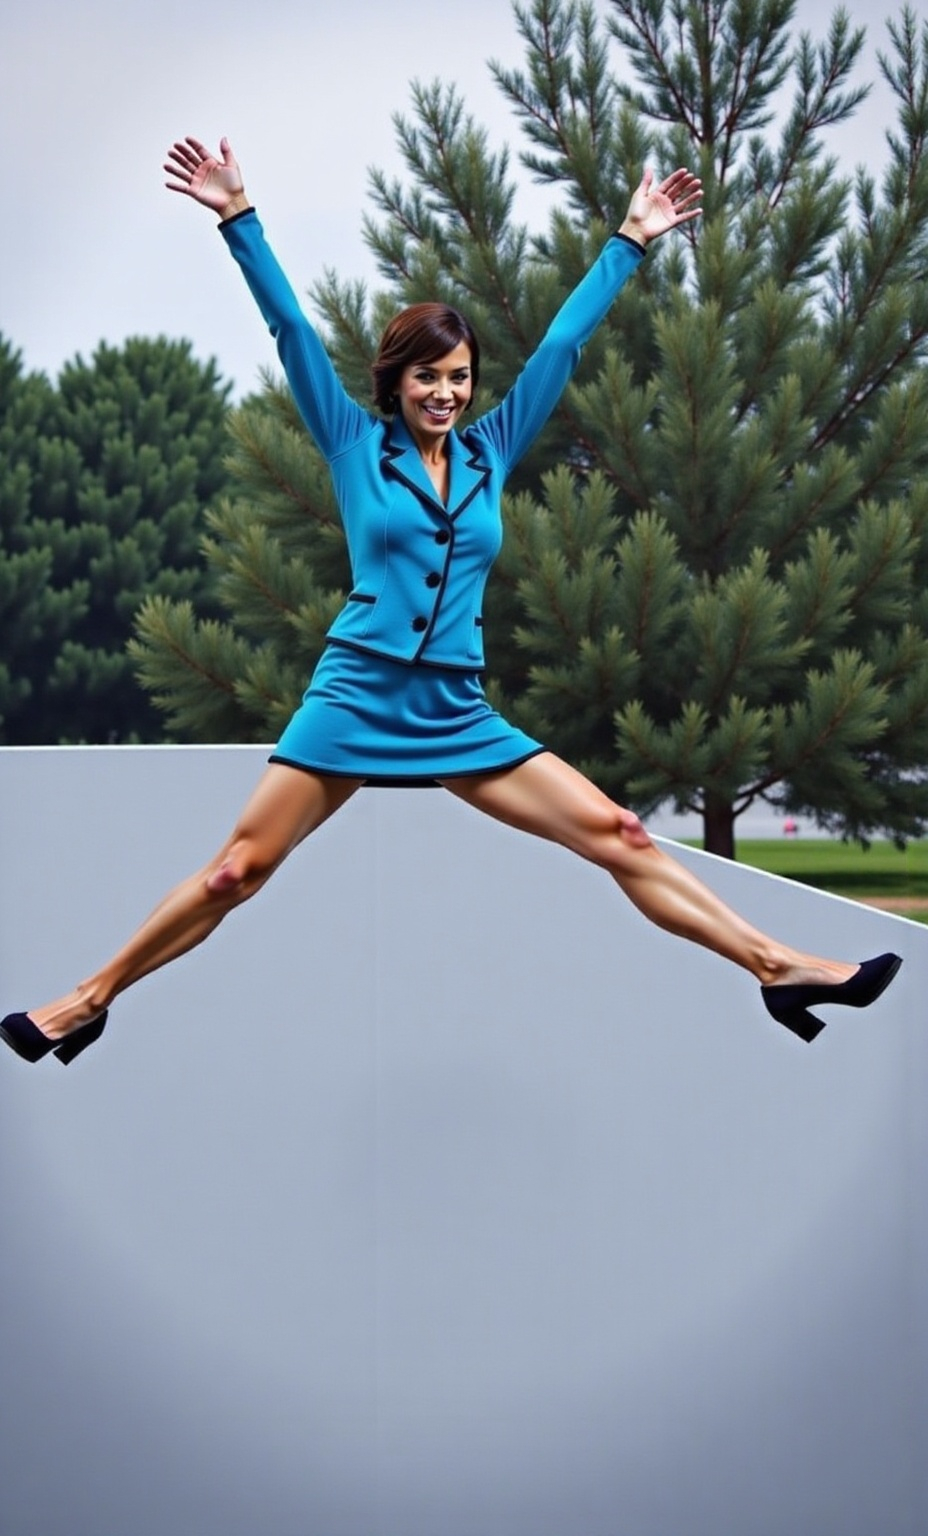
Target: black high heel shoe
<point>789,1004</point>
<point>27,1040</point>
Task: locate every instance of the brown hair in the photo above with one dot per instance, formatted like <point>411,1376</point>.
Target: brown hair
<point>423,333</point>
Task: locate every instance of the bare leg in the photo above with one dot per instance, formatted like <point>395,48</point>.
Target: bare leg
<point>286,806</point>
<point>552,800</point>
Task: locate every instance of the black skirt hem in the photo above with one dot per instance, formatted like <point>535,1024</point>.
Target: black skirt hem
<point>406,780</point>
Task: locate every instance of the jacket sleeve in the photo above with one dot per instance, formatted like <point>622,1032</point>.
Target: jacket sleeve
<point>511,426</point>
<point>334,419</point>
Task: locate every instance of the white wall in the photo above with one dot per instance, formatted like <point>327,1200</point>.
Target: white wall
<point>439,1195</point>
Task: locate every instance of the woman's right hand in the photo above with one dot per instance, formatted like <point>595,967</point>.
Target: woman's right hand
<point>196,172</point>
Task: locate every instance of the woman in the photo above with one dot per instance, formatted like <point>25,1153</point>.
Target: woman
<point>397,692</point>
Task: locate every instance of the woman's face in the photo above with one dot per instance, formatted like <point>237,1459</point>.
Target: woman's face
<point>434,396</point>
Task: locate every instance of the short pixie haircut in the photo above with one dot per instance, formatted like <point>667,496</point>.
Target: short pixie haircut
<point>423,333</point>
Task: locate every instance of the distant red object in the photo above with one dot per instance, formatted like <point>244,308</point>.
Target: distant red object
<point>790,827</point>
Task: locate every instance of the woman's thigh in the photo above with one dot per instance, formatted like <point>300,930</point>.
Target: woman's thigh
<point>286,805</point>
<point>548,798</point>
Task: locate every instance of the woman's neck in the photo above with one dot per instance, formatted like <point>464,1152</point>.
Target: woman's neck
<point>433,451</point>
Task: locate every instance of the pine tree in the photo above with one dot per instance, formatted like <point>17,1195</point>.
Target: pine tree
<point>35,614</point>
<point>105,479</point>
<point>749,616</point>
<point>713,584</point>
<point>280,567</point>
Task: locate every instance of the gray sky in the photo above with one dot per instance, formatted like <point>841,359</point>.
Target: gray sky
<point>91,94</point>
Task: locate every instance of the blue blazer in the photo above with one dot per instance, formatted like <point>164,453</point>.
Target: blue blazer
<point>419,567</point>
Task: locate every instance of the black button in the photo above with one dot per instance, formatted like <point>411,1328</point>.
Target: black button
<point>420,624</point>
<point>442,536</point>
<point>433,579</point>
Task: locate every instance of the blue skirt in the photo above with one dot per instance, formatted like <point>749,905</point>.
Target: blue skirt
<point>367,717</point>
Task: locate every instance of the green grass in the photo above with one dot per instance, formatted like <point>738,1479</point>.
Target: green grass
<point>845,868</point>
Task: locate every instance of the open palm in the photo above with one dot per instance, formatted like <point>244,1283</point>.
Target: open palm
<point>198,173</point>
<point>657,208</point>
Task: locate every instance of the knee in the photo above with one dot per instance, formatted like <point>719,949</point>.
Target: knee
<point>618,838</point>
<point>238,872</point>
<point>631,830</point>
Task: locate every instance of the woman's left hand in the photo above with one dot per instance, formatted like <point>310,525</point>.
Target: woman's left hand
<point>655,209</point>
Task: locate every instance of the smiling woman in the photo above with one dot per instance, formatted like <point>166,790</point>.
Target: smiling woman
<point>432,398</point>
<point>427,368</point>
<point>398,692</point>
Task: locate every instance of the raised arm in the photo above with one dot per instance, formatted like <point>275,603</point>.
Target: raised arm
<point>653,210</point>
<point>333,418</point>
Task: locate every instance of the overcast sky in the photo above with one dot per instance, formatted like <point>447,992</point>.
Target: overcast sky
<point>92,94</point>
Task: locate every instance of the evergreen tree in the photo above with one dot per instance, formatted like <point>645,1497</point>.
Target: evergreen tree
<point>713,584</point>
<point>33,613</point>
<point>104,482</point>
<point>280,566</point>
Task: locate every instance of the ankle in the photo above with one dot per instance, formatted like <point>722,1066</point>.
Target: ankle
<point>772,965</point>
<point>93,996</point>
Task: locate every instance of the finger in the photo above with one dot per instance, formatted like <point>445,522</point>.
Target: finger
<point>225,149</point>
<point>678,181</point>
<point>184,157</point>
<point>688,204</point>
<point>179,163</point>
<point>199,149</point>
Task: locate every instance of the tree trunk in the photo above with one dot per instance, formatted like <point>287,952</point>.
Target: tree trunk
<point>718,826</point>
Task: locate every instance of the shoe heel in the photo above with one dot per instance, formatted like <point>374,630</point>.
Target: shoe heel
<point>791,1013</point>
<point>801,1022</point>
<point>79,1039</point>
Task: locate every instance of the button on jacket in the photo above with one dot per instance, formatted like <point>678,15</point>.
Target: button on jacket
<point>419,567</point>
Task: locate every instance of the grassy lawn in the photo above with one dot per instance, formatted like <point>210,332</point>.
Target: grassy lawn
<point>848,870</point>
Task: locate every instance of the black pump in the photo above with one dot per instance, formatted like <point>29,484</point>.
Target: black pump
<point>789,1004</point>
<point>27,1040</point>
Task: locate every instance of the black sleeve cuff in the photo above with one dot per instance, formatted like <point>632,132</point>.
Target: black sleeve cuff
<point>242,214</point>
<point>635,244</point>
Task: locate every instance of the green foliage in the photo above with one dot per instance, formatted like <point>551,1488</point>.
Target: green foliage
<point>103,481</point>
<point>879,873</point>
<point>241,680</point>
<point>713,586</point>
<point>32,611</point>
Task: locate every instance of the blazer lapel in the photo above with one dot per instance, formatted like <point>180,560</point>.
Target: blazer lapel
<point>467,474</point>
